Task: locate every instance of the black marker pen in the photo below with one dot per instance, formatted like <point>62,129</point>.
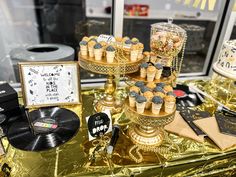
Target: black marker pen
<point>225,110</point>
<point>114,138</point>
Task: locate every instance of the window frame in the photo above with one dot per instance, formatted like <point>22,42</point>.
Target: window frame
<point>214,47</point>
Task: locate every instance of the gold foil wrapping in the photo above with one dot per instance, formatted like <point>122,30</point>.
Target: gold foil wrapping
<point>78,158</point>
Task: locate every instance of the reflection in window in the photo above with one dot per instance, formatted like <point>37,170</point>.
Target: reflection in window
<point>199,25</point>
<point>25,22</point>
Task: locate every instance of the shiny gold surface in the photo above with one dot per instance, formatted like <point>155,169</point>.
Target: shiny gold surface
<point>220,88</point>
<point>72,159</point>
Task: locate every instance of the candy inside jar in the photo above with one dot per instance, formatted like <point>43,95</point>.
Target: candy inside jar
<point>167,39</point>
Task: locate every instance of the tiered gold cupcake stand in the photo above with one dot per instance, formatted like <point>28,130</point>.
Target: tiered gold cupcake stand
<point>147,130</point>
<point>122,65</point>
<point>167,80</point>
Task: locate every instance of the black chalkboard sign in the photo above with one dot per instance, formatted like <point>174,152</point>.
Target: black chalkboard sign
<point>99,124</point>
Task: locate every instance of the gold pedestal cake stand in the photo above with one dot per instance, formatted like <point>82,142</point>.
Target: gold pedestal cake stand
<point>146,132</point>
<point>120,66</point>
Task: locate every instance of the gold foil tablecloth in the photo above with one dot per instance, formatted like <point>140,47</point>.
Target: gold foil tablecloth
<point>72,158</point>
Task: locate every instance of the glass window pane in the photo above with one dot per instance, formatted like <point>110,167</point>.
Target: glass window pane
<point>25,22</point>
<point>198,23</point>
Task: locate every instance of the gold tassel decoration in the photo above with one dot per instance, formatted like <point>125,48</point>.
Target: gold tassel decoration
<point>211,4</point>
<point>196,3</point>
<point>187,2</point>
<point>202,4</point>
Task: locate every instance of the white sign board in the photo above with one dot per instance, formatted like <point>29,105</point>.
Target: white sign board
<point>50,83</point>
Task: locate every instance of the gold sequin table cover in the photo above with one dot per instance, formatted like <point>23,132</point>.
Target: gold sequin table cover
<point>72,158</point>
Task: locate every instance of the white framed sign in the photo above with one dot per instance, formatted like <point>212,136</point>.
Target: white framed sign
<point>50,83</point>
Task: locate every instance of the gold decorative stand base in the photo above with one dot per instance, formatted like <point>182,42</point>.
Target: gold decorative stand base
<point>146,132</point>
<point>145,135</point>
<point>109,101</point>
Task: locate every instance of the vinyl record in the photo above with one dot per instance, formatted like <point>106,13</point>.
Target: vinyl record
<point>186,97</point>
<point>50,127</point>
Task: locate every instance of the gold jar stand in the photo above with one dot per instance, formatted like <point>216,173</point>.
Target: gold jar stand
<point>147,131</point>
<point>121,66</point>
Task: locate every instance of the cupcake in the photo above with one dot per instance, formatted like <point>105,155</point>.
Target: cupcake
<point>158,91</point>
<point>134,88</point>
<point>143,70</point>
<point>127,45</point>
<point>148,95</point>
<point>140,50</point>
<point>134,53</point>
<point>132,96</point>
<point>159,68</point>
<point>151,72</point>
<point>144,89</point>
<point>98,51</point>
<point>153,57</point>
<point>139,84</point>
<point>140,103</point>
<point>135,40</point>
<point>167,88</point>
<point>146,56</point>
<point>83,48</point>
<point>110,51</point>
<point>160,94</point>
<point>126,38</point>
<point>91,44</point>
<point>156,104</point>
<point>169,103</point>
<point>128,42</point>
<point>161,84</point>
<point>151,85</point>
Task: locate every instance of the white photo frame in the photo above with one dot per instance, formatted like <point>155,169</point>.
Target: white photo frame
<point>50,83</point>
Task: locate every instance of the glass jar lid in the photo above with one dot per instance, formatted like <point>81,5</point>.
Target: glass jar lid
<point>168,27</point>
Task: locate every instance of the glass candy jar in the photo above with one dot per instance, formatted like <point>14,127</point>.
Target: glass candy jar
<point>167,39</point>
